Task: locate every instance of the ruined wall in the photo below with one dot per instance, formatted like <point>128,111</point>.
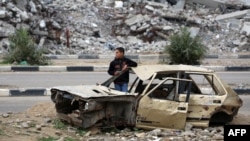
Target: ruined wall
<point>141,26</point>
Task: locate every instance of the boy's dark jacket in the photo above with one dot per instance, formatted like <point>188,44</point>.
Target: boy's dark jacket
<point>117,65</point>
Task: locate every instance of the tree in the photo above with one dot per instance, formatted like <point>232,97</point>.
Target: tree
<point>22,48</point>
<point>184,49</point>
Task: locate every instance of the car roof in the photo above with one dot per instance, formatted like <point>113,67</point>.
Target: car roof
<point>144,72</point>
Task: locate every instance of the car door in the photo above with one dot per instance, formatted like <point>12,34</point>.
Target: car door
<point>208,95</point>
<point>156,112</point>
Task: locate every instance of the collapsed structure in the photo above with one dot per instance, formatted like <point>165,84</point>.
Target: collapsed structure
<point>141,26</point>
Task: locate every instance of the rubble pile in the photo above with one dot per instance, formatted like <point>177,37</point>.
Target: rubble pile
<point>26,126</point>
<point>141,26</point>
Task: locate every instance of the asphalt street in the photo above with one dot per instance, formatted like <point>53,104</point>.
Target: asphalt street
<point>50,79</point>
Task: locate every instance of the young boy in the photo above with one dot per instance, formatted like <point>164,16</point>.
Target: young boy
<point>121,63</point>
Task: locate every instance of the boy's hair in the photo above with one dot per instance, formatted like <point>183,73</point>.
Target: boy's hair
<point>120,49</point>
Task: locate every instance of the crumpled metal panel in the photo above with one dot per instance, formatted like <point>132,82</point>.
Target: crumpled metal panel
<point>90,91</point>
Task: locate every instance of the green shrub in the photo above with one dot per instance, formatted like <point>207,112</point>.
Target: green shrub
<point>1,132</point>
<point>184,49</point>
<point>47,139</point>
<point>23,49</point>
<point>59,124</point>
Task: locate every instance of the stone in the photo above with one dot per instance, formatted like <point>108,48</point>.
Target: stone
<point>42,24</point>
<point>5,115</point>
<point>237,14</point>
<point>134,20</point>
<point>24,125</point>
<point>118,4</point>
<point>140,135</point>
<point>6,29</point>
<point>59,133</point>
<point>60,139</point>
<point>47,120</point>
<point>180,4</point>
<point>24,16</point>
<point>39,32</point>
<point>32,7</point>
<point>2,13</point>
<point>38,127</point>
<point>108,2</point>
<point>102,40</point>
<point>56,25</point>
<point>246,28</point>
<point>23,25</point>
<point>210,3</point>
<point>194,31</point>
<point>21,4</point>
<point>150,8</point>
<point>155,132</point>
<point>143,27</point>
<point>218,137</point>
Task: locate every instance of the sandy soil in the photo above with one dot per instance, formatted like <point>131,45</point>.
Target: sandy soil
<point>11,127</point>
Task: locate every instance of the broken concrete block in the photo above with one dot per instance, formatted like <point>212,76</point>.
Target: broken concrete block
<point>108,2</point>
<point>24,16</point>
<point>237,14</point>
<point>247,17</point>
<point>2,13</point>
<point>120,39</point>
<point>6,29</point>
<point>134,19</point>
<point>118,4</point>
<point>143,27</point>
<point>133,39</point>
<point>209,3</point>
<point>32,7</point>
<point>167,28</point>
<point>149,8</point>
<point>157,4</point>
<point>246,28</point>
<point>180,4</point>
<point>194,31</point>
<point>133,28</point>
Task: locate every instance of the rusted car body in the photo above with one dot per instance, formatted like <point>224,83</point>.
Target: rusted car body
<point>160,96</point>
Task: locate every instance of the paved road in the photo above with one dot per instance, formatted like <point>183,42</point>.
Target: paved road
<point>50,79</point>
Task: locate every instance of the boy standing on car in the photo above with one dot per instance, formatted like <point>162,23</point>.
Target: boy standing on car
<point>119,64</point>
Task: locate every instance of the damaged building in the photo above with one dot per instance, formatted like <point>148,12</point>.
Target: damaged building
<point>141,26</point>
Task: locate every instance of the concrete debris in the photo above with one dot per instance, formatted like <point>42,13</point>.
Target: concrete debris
<point>237,14</point>
<point>246,28</point>
<point>34,128</point>
<point>135,25</point>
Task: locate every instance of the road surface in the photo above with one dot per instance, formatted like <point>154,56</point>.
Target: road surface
<point>50,79</point>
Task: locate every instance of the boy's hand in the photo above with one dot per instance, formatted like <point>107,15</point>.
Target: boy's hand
<point>124,67</point>
<point>117,72</point>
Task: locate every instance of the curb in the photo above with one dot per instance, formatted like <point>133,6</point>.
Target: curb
<point>46,68</point>
<point>46,92</point>
<point>25,92</point>
<point>98,68</point>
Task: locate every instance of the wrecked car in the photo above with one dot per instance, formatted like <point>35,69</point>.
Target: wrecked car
<point>160,96</point>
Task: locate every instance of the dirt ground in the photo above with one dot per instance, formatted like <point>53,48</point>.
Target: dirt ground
<point>40,120</point>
